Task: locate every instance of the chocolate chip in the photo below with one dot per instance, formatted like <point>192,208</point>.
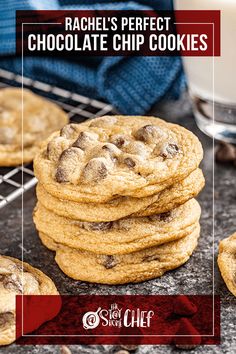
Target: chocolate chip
<point>68,130</point>
<point>80,141</point>
<point>97,226</point>
<point>95,170</point>
<point>68,161</point>
<point>107,148</point>
<point>109,151</point>
<point>129,162</point>
<point>61,175</point>
<point>226,153</point>
<point>165,216</point>
<point>161,217</point>
<point>100,226</point>
<point>84,140</point>
<point>11,282</point>
<point>151,258</point>
<point>110,262</point>
<point>69,154</point>
<point>55,147</point>
<point>119,141</point>
<point>149,134</point>
<point>169,150</point>
<point>6,318</point>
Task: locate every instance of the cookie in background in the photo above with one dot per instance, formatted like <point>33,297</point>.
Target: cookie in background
<point>227,262</point>
<point>18,278</point>
<point>22,134</point>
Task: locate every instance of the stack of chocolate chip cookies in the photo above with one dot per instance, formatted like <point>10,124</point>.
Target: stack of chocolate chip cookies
<point>116,198</point>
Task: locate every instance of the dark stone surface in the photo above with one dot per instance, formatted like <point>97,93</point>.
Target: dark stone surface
<point>195,277</point>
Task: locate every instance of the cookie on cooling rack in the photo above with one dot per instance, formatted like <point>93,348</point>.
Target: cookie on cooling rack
<point>28,128</point>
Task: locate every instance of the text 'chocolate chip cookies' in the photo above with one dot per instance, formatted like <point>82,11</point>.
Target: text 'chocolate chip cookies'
<point>15,282</point>
<point>25,121</point>
<point>115,191</point>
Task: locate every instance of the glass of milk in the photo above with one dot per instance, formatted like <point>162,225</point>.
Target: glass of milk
<point>212,81</point>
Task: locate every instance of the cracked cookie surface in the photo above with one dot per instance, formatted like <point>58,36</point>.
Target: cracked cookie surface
<point>39,119</point>
<point>99,160</point>
<point>13,282</point>
<point>120,269</point>
<point>122,236</point>
<point>227,262</point>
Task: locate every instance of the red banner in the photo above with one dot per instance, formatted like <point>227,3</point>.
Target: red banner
<point>116,33</point>
<point>116,319</point>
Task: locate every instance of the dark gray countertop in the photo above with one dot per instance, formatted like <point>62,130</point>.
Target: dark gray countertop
<point>195,277</point>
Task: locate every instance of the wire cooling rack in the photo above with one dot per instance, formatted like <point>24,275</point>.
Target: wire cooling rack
<point>15,181</point>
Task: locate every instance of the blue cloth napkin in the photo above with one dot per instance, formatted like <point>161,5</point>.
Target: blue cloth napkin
<point>131,84</point>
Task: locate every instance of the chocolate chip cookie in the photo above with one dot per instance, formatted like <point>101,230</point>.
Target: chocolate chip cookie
<point>227,262</point>
<point>25,130</point>
<point>124,268</point>
<point>13,282</point>
<point>121,207</point>
<point>99,160</point>
<point>121,236</point>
